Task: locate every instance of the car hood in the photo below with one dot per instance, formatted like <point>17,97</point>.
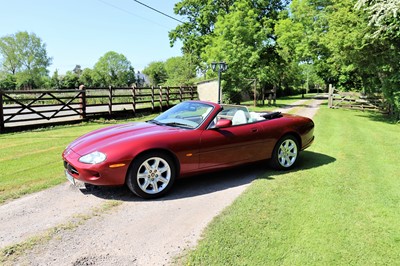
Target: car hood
<point>100,139</point>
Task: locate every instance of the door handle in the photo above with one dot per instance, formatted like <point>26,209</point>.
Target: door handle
<point>254,130</point>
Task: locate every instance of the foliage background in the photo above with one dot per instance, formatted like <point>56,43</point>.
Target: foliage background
<point>288,45</point>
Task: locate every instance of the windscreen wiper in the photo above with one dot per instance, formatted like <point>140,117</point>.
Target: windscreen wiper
<point>176,124</point>
<point>155,122</point>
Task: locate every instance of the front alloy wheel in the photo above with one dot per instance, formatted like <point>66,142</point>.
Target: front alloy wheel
<point>151,175</point>
<point>285,153</point>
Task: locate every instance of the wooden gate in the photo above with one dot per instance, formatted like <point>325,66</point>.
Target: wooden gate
<point>355,100</point>
<point>28,107</point>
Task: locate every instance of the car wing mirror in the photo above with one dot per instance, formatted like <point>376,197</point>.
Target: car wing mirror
<point>222,123</point>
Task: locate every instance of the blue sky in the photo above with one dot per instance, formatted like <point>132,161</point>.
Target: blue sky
<point>80,32</point>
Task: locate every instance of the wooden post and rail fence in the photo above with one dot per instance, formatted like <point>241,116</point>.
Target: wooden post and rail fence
<point>39,107</point>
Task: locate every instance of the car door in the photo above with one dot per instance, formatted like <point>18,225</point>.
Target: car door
<point>230,146</point>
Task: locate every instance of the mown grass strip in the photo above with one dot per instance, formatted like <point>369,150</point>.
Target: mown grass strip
<point>338,207</point>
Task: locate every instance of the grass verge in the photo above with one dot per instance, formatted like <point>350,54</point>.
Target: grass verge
<point>338,207</point>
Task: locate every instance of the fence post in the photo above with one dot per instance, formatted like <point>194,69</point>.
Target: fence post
<point>168,89</point>
<point>109,100</point>
<point>134,99</point>
<point>330,100</point>
<point>82,101</point>
<point>152,98</point>
<point>1,112</point>
<point>180,94</point>
<point>191,93</point>
<point>161,99</point>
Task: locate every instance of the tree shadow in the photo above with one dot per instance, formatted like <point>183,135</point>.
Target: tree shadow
<point>216,181</point>
<point>379,117</point>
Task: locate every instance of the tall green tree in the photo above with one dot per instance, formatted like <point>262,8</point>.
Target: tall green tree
<point>70,80</point>
<point>7,81</point>
<point>113,69</point>
<point>55,82</point>
<point>24,56</point>
<point>383,15</point>
<point>87,78</point>
<point>10,54</point>
<point>156,73</point>
<point>241,33</point>
<point>383,44</point>
<point>201,18</point>
<point>327,34</point>
<point>351,44</point>
<point>180,70</point>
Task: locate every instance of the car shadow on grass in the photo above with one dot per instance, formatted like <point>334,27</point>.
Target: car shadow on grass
<point>310,159</point>
<point>215,181</point>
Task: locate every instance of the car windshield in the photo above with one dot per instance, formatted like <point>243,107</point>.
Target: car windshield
<point>185,115</point>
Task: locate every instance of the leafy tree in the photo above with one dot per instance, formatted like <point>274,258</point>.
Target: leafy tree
<point>9,52</point>
<point>77,70</point>
<point>55,81</point>
<point>25,57</point>
<point>352,47</point>
<point>382,66</point>
<point>156,73</point>
<point>113,69</point>
<point>86,78</point>
<point>70,80</point>
<point>180,71</point>
<point>326,34</point>
<point>241,33</point>
<point>202,16</point>
<point>383,15</point>
<point>7,81</point>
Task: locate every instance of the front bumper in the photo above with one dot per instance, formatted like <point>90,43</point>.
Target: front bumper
<point>96,174</point>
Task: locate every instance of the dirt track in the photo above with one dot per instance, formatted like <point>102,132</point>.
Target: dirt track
<point>129,232</point>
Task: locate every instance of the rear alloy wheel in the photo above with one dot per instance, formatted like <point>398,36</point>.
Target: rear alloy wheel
<point>285,153</point>
<point>151,175</point>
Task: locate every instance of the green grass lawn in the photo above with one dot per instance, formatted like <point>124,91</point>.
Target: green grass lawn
<point>340,206</point>
<point>31,161</point>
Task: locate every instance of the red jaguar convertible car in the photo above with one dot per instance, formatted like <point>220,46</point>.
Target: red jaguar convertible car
<point>190,138</point>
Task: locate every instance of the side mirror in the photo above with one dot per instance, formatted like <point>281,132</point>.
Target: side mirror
<point>223,123</point>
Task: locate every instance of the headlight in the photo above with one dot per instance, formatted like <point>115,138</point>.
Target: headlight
<point>93,158</point>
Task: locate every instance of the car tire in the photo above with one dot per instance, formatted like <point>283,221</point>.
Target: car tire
<point>285,153</point>
<point>151,175</point>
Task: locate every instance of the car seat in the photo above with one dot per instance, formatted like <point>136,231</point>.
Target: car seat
<point>239,118</point>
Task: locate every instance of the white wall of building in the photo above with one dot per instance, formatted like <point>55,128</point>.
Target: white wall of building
<point>208,90</point>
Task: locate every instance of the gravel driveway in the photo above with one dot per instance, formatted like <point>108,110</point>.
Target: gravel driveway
<point>85,229</point>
